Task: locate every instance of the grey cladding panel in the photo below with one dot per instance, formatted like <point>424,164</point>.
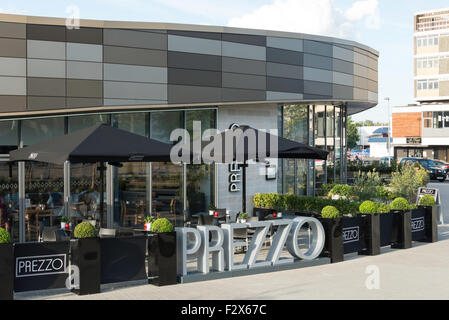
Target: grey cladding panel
<point>196,34</point>
<point>245,38</point>
<point>15,48</point>
<point>12,103</point>
<point>12,30</point>
<point>314,61</point>
<point>237,65</point>
<point>133,90</point>
<point>284,85</point>
<point>84,102</point>
<point>133,56</point>
<point>236,95</point>
<point>13,86</point>
<point>342,92</point>
<point>46,87</point>
<point>84,70</point>
<point>243,51</point>
<point>45,103</point>
<point>316,47</point>
<point>194,77</point>
<point>84,88</point>
<point>342,66</point>
<point>284,56</point>
<point>285,43</point>
<point>317,88</point>
<point>193,94</point>
<point>84,52</point>
<point>244,81</point>
<point>185,60</point>
<point>46,32</point>
<point>284,70</point>
<point>122,72</point>
<point>194,45</point>
<point>136,39</point>
<point>85,35</point>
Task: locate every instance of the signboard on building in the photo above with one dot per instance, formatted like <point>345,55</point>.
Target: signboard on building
<point>413,140</point>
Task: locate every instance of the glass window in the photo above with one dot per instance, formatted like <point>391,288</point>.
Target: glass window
<point>8,136</point>
<point>289,176</point>
<point>435,85</point>
<point>446,119</point>
<point>163,123</point>
<point>424,85</point>
<point>419,63</point>
<point>424,42</point>
<point>9,199</point>
<point>320,142</point>
<point>295,123</point>
<point>133,122</point>
<point>80,122</point>
<point>38,130</point>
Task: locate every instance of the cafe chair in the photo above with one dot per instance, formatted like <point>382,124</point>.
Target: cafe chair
<point>107,233</point>
<point>52,234</point>
<point>206,220</point>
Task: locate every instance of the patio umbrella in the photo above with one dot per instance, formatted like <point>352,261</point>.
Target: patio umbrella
<point>243,151</point>
<point>99,143</point>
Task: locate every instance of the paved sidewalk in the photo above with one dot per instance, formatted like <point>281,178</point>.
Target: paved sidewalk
<point>417,273</point>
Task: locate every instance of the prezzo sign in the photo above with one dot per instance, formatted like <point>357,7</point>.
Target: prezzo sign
<point>418,224</point>
<point>351,234</point>
<point>427,191</point>
<point>41,265</point>
<point>201,242</point>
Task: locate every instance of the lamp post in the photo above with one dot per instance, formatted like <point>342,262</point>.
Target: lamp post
<point>388,134</point>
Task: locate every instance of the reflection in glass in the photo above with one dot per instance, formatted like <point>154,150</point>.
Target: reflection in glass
<point>330,130</point>
<point>163,123</point>
<point>8,136</point>
<point>337,144</point>
<point>9,199</point>
<point>37,130</point>
<point>320,142</point>
<point>80,122</point>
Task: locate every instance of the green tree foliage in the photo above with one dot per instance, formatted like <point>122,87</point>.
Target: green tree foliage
<point>353,135</point>
<point>406,181</point>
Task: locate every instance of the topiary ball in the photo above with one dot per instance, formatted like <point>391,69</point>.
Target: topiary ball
<point>161,225</point>
<point>330,212</point>
<point>4,236</point>
<point>368,207</point>
<point>400,204</point>
<point>426,201</point>
<point>85,230</point>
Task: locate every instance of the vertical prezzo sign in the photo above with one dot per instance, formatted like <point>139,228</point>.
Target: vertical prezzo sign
<point>234,177</point>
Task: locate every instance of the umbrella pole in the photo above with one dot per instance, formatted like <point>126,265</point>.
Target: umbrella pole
<point>102,167</point>
<point>244,186</point>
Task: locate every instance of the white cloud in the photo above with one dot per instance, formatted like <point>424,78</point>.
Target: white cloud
<point>315,17</point>
<point>12,10</point>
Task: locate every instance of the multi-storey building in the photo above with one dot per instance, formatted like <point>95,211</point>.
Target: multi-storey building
<point>423,130</point>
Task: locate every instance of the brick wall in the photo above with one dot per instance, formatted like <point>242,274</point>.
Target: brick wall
<point>406,124</point>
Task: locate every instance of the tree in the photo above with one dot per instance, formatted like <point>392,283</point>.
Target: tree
<point>353,135</point>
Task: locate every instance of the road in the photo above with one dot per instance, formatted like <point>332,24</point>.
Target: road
<point>443,188</point>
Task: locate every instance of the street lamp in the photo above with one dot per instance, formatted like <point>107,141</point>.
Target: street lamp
<point>388,134</point>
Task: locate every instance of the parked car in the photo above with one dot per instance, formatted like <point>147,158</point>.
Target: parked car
<point>386,160</point>
<point>443,165</point>
<point>434,170</point>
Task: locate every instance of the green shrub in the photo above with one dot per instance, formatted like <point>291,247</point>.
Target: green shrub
<point>149,219</point>
<point>65,219</point>
<point>383,208</point>
<point>368,206</point>
<point>406,181</point>
<point>343,190</point>
<point>365,185</point>
<point>243,215</point>
<point>161,225</point>
<point>4,236</point>
<point>324,189</point>
<point>330,212</point>
<point>85,230</point>
<point>399,203</point>
<point>426,201</point>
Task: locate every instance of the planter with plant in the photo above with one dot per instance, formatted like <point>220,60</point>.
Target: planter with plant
<point>340,191</point>
<point>162,265</point>
<point>212,209</point>
<point>428,204</point>
<point>85,253</point>
<point>6,266</point>
<point>402,223</point>
<point>333,228</point>
<point>370,228</point>
<point>243,217</point>
<point>65,223</point>
<point>148,221</point>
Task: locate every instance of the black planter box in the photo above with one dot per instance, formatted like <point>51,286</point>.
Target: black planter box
<point>418,224</point>
<point>86,254</point>
<point>370,234</point>
<point>162,263</point>
<point>351,234</point>
<point>402,230</point>
<point>431,222</point>
<point>6,271</point>
<point>386,228</point>
<point>333,245</point>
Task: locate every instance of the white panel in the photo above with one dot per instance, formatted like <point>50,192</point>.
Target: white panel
<point>13,86</point>
<point>13,67</point>
<point>343,54</point>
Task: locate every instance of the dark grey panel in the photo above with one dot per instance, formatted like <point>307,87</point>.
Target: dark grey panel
<point>12,30</point>
<point>237,65</point>
<point>284,70</point>
<point>13,48</point>
<point>342,66</point>
<point>244,81</point>
<point>45,103</point>
<point>196,34</point>
<point>342,92</point>
<point>44,32</point>
<point>133,56</point>
<point>185,60</point>
<point>135,39</point>
<point>316,47</point>
<point>84,88</point>
<point>285,56</point>
<point>284,85</point>
<point>245,38</point>
<point>193,94</point>
<point>194,77</point>
<point>237,95</point>
<point>85,35</point>
<point>46,87</point>
<point>317,88</point>
<point>84,102</point>
<point>314,61</point>
<point>12,103</point>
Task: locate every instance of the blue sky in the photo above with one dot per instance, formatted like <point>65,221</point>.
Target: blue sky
<point>385,25</point>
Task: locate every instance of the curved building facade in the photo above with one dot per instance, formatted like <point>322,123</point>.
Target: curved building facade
<point>150,78</point>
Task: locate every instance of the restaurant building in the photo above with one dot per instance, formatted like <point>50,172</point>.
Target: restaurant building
<point>151,78</point>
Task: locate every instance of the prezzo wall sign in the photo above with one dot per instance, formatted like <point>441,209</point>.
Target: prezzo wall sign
<point>41,265</point>
<point>418,224</point>
<point>234,177</point>
<point>428,191</point>
<point>351,234</point>
<point>201,242</point>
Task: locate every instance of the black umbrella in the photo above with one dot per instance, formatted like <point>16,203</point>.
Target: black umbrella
<point>264,145</point>
<point>99,143</point>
